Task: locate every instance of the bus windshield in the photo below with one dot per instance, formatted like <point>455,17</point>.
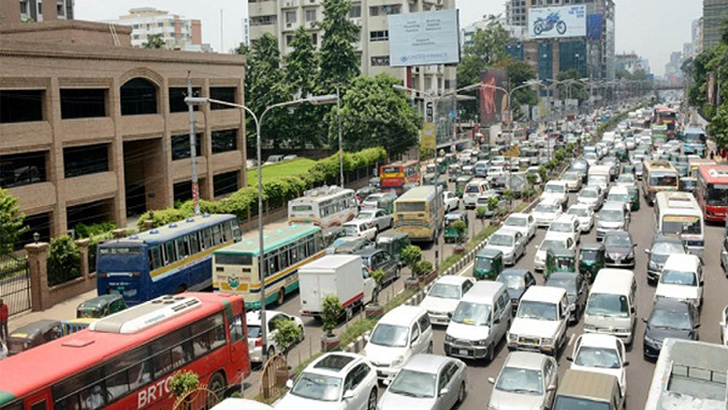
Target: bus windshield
<point>677,225</point>
<point>695,138</point>
<point>410,206</point>
<point>717,196</point>
<point>663,179</point>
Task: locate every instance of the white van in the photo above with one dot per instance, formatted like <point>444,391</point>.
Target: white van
<point>400,334</point>
<point>479,322</point>
<point>541,322</point>
<point>472,191</point>
<point>682,279</point>
<point>610,308</point>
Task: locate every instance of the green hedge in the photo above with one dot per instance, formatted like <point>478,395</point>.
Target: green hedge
<point>276,192</point>
<point>63,260</point>
<point>86,231</point>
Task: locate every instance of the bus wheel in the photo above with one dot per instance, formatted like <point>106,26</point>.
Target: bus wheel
<point>281,296</point>
<point>217,384</point>
<point>180,289</point>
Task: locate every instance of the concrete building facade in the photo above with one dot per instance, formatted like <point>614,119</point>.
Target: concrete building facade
<point>35,10</point>
<point>696,34</point>
<point>281,18</point>
<point>92,131</point>
<point>177,31</point>
<point>714,12</point>
<point>632,62</point>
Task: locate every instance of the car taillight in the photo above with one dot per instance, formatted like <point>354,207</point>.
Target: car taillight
<point>370,268</point>
<point>259,342</point>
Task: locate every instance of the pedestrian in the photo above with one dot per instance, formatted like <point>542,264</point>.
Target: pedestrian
<point>3,321</point>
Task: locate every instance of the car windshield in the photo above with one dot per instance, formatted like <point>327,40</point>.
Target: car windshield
<point>253,331</point>
<point>472,189</point>
<point>511,281</point>
<point>516,221</point>
<point>671,319</point>
<point>588,193</point>
<point>365,215</point>
<point>546,208</point>
<point>537,310</point>
<point>500,240</point>
<point>445,291</point>
<point>468,313</point>
<point>607,304</point>
<point>412,383</point>
<point>483,263</point>
<point>579,211</point>
<point>389,335</point>
<point>571,176</point>
<point>598,357</point>
<point>589,255</point>
<point>317,387</point>
<point>561,227</point>
<point>552,244</point>
<point>675,277</point>
<point>569,285</point>
<point>618,197</point>
<point>666,248</point>
<point>555,188</point>
<point>626,178</point>
<point>610,215</point>
<point>663,179</point>
<point>524,381</point>
<point>350,230</point>
<point>619,241</point>
<point>340,241</point>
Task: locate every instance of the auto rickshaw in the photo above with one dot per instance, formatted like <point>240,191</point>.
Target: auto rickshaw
<point>431,169</point>
<point>441,163</point>
<point>591,260</point>
<point>451,234</point>
<point>453,172</point>
<point>460,184</point>
<point>100,306</point>
<point>386,202</point>
<point>488,264</point>
<point>394,243</point>
<point>75,325</point>
<point>32,335</point>
<point>559,260</point>
<point>634,198</point>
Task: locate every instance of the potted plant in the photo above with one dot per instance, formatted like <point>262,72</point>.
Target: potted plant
<point>287,334</point>
<point>461,229</point>
<point>182,383</point>
<point>509,195</point>
<point>425,272</point>
<point>330,315</point>
<point>374,310</point>
<point>492,203</point>
<point>411,256</point>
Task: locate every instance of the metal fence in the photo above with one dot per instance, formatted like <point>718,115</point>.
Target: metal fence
<point>15,283</point>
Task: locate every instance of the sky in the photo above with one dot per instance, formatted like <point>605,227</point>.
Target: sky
<point>651,28</point>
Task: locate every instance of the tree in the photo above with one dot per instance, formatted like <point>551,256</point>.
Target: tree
<point>154,41</point>
<point>411,256</point>
<point>375,114</point>
<point>242,49</point>
<point>519,73</point>
<point>331,311</point>
<point>11,222</point>
<point>378,276</point>
<point>488,46</point>
<point>265,85</point>
<point>183,382</point>
<point>339,61</point>
<point>287,334</point>
<point>718,127</point>
<point>574,89</point>
<point>301,69</point>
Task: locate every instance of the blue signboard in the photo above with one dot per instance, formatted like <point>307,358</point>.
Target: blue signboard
<point>594,26</point>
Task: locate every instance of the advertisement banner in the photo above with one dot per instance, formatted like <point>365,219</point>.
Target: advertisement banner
<point>594,26</point>
<point>492,100</point>
<point>426,38</point>
<point>428,135</point>
<point>710,85</point>
<point>557,22</point>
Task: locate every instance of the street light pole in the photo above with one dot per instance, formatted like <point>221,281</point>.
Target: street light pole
<point>341,150</point>
<point>193,150</point>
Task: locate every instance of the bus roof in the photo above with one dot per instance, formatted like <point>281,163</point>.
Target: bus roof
<point>714,173</point>
<point>58,359</point>
<point>418,193</point>
<point>659,166</point>
<point>173,230</point>
<point>402,163</point>
<point>322,193</point>
<point>678,203</point>
<point>272,238</point>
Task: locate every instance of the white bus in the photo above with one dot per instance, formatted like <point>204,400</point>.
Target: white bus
<point>325,207</point>
<point>678,214</point>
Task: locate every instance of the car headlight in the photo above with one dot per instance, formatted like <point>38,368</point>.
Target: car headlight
<point>630,255</point>
<point>651,341</point>
<point>547,341</point>
<point>492,407</point>
<point>589,327</point>
<point>483,342</point>
<point>449,338</point>
<point>512,337</point>
<point>397,361</point>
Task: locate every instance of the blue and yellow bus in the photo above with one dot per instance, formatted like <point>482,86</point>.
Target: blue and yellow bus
<point>235,267</point>
<point>170,259</point>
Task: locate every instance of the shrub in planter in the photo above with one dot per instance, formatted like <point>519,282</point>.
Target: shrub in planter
<point>528,193</point>
<point>64,260</point>
<point>331,311</point>
<point>509,195</point>
<point>411,256</point>
<point>560,155</point>
<point>481,212</point>
<point>287,334</point>
<point>183,382</point>
<point>543,172</point>
<point>378,276</point>
<point>423,268</point>
<point>460,228</point>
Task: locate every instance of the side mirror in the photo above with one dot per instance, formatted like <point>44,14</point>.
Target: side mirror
<point>625,363</point>
<point>644,319</point>
<point>634,245</point>
<point>697,326</point>
<point>722,323</point>
<point>569,358</point>
<point>386,382</point>
<point>491,380</point>
<point>647,251</point>
<point>496,321</point>
<point>348,395</point>
<point>444,391</point>
<point>289,383</point>
<point>551,388</point>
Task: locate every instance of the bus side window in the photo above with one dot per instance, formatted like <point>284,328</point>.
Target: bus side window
<point>311,245</point>
<point>236,328</point>
<point>194,243</point>
<point>155,258</point>
<point>181,248</point>
<point>206,238</point>
<point>171,252</point>
<point>228,231</point>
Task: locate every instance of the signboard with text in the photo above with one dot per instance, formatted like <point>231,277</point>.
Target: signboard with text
<point>556,22</point>
<point>426,38</point>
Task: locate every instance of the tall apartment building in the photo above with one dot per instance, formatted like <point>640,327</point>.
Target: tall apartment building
<point>281,18</point>
<point>714,12</point>
<point>93,129</point>
<point>632,62</point>
<point>516,32</point>
<point>246,31</point>
<point>696,34</point>
<point>35,10</point>
<point>177,31</point>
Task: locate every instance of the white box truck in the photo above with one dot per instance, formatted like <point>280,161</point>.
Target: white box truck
<point>339,275</point>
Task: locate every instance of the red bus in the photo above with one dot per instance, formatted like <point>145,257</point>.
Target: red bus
<point>397,174</point>
<point>667,116</point>
<point>712,192</point>
<point>127,360</point>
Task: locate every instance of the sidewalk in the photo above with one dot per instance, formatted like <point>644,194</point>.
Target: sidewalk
<point>61,311</point>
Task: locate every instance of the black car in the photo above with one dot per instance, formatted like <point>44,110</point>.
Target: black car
<point>619,249</point>
<point>580,166</point>
<point>669,318</point>
<point>374,259</point>
<point>516,282</point>
<point>662,247</point>
<point>613,164</point>
<point>576,290</point>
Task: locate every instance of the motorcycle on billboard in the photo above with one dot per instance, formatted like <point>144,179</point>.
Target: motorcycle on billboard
<point>547,24</point>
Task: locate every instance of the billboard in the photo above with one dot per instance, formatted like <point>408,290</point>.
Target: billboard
<point>594,26</point>
<point>557,22</point>
<point>492,100</point>
<point>426,38</point>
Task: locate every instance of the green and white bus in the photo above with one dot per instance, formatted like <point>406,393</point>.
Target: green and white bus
<point>287,248</point>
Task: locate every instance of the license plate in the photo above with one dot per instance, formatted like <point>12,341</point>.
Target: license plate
<point>463,352</point>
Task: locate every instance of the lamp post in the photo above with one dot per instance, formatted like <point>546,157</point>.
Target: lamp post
<point>436,99</point>
<point>316,100</point>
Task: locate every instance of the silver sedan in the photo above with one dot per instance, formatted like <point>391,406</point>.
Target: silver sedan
<point>427,381</point>
<point>527,380</point>
<point>379,218</point>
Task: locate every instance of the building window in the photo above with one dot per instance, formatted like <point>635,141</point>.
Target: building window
<point>182,191</point>
<point>21,105</point>
<point>226,183</point>
<point>382,35</point>
<point>88,159</point>
<point>226,94</point>
<point>263,20</point>
<point>380,61</point>
<point>224,140</point>
<point>22,169</point>
<point>181,146</point>
<point>355,12</point>
<point>289,40</point>
<point>177,99</point>
<point>138,96</point>
<point>374,11</point>
<point>314,39</point>
<point>310,15</point>
<point>385,10</point>
<point>290,17</point>
<point>23,7</point>
<point>83,103</point>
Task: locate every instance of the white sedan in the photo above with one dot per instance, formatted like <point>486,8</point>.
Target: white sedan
<point>584,214</point>
<point>546,212</point>
<point>524,223</point>
<point>551,241</point>
<point>590,196</point>
<point>568,225</point>
<point>380,218</point>
<point>724,326</point>
<point>511,242</point>
<point>363,229</point>
<point>255,338</point>
<point>452,202</point>
<point>444,296</point>
<point>601,354</point>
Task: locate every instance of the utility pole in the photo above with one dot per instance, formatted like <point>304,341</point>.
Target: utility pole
<point>193,149</point>
<point>341,149</point>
